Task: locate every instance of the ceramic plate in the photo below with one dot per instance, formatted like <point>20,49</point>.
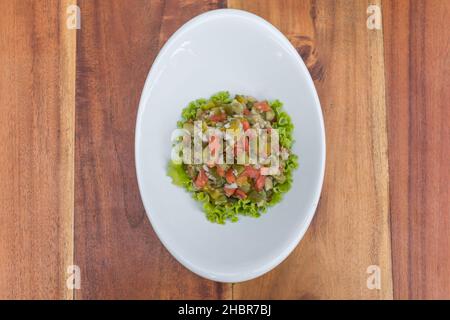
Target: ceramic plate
<point>239,52</point>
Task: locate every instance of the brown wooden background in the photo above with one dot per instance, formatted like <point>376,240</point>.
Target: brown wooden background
<point>68,191</point>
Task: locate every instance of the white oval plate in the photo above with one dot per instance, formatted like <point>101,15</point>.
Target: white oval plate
<point>240,52</point>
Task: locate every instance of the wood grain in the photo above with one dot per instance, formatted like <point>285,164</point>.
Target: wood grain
<point>115,246</point>
<point>418,95</point>
<point>68,191</point>
<point>37,90</point>
<point>351,228</point>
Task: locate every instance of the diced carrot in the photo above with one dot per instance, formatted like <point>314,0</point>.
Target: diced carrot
<point>245,125</point>
<point>220,171</point>
<point>218,117</point>
<point>260,182</point>
<point>229,176</point>
<point>240,194</point>
<point>201,180</point>
<point>229,191</point>
<point>262,106</point>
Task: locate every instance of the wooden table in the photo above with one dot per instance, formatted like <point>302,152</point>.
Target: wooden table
<point>68,191</point>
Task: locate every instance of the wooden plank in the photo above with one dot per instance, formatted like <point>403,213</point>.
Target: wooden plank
<point>115,246</point>
<point>37,91</point>
<point>351,230</point>
<point>418,95</point>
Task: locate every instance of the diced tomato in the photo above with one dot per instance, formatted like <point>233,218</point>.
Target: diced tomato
<point>262,106</point>
<point>240,194</point>
<point>214,145</point>
<point>220,171</point>
<point>260,182</point>
<point>251,172</point>
<point>247,112</point>
<point>229,191</point>
<point>229,176</point>
<point>201,180</point>
<point>218,117</point>
<point>245,125</point>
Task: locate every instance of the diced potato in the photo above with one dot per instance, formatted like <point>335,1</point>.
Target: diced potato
<point>237,107</point>
<point>241,99</point>
<point>270,115</point>
<point>268,185</point>
<point>280,178</point>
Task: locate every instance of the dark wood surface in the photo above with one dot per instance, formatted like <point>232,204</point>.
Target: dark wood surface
<point>115,246</point>
<point>418,95</point>
<point>350,231</point>
<point>68,191</point>
<point>37,83</point>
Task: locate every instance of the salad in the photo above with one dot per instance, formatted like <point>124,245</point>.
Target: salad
<point>230,182</point>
